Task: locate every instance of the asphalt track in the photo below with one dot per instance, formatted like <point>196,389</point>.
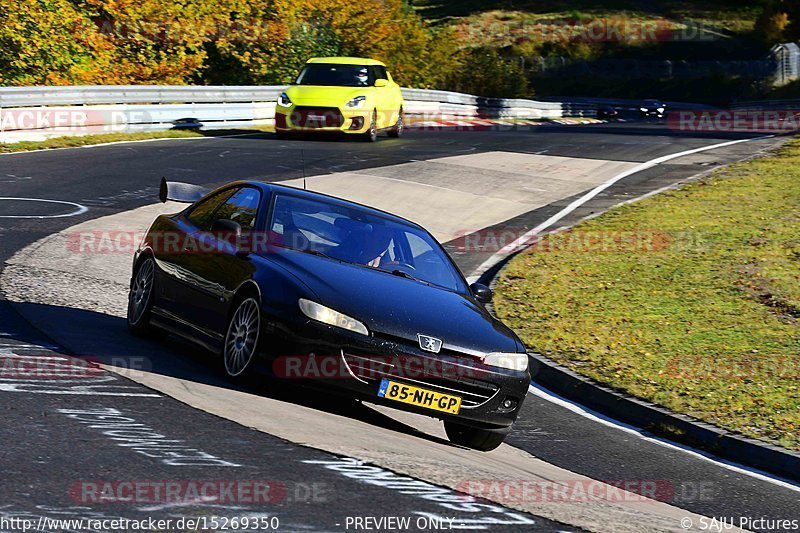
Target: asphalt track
<point>45,452</point>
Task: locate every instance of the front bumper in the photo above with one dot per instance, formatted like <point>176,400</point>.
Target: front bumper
<point>356,364</point>
<point>322,119</point>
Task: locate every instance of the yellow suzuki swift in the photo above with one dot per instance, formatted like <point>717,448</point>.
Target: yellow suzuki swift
<point>341,94</point>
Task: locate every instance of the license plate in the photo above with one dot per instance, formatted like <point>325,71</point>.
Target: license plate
<point>400,392</point>
<point>316,118</point>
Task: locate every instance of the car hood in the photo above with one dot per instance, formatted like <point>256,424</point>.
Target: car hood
<point>324,95</point>
<point>394,306</point>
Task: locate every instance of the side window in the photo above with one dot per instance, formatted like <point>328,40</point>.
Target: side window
<point>202,214</point>
<point>242,207</point>
<point>380,73</point>
<point>417,245</point>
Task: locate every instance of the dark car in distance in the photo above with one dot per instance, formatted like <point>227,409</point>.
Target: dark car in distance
<point>307,281</point>
<point>607,112</point>
<point>652,109</point>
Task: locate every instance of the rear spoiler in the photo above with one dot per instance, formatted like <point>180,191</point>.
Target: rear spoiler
<point>180,192</point>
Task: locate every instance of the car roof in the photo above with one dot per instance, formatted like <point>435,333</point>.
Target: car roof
<point>345,61</point>
<point>313,195</point>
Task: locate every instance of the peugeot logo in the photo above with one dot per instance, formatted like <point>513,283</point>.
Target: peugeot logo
<point>429,344</point>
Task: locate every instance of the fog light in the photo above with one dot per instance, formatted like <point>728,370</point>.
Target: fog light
<point>357,124</point>
<point>509,403</point>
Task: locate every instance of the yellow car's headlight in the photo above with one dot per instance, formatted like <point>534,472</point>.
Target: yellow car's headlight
<point>510,361</point>
<point>326,315</point>
<point>356,102</point>
<point>284,100</point>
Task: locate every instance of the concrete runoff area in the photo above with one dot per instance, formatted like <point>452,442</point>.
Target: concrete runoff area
<point>51,273</point>
<point>455,196</point>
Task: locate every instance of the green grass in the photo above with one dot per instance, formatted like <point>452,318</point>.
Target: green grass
<point>713,29</point>
<point>88,140</point>
<point>725,15</point>
<point>703,317</point>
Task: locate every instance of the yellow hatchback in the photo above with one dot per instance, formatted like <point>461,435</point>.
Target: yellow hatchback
<point>351,95</point>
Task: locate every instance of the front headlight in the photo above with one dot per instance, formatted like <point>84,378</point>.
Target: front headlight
<point>358,101</point>
<point>284,101</point>
<point>326,315</point>
<point>511,361</point>
<point>660,109</point>
<point>643,109</point>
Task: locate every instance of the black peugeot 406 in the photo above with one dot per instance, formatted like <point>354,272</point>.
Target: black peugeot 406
<point>330,290</point>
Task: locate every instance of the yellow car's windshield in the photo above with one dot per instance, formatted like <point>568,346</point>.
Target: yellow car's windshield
<point>336,75</point>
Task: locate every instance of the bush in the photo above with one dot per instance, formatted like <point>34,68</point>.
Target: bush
<point>485,73</point>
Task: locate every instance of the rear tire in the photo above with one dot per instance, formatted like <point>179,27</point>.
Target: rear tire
<point>397,131</point>
<point>484,440</point>
<point>140,299</point>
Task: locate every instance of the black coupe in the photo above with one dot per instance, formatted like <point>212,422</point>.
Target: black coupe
<point>327,289</point>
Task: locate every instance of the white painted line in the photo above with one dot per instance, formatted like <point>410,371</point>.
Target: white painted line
<point>541,392</point>
<point>81,209</point>
<point>528,237</point>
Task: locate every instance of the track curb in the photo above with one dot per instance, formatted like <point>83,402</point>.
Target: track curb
<point>663,422</point>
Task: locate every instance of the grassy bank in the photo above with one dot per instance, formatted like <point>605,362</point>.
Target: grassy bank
<point>88,140</point>
<point>690,299</point>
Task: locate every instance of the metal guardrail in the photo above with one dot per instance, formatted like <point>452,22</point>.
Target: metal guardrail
<point>134,94</point>
<point>627,103</point>
<point>767,104</point>
<point>152,107</point>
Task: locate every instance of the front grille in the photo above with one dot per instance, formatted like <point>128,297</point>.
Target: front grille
<point>317,117</point>
<point>438,374</point>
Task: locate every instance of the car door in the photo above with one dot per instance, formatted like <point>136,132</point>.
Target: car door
<point>383,97</point>
<point>225,263</point>
<point>176,252</point>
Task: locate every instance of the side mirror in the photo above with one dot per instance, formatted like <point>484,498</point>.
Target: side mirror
<point>223,227</point>
<point>481,292</point>
<point>381,83</point>
<point>229,231</point>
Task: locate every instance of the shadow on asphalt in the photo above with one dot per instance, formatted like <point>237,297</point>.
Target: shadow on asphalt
<point>105,339</point>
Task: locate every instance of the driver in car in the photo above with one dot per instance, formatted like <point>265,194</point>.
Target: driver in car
<point>376,246</point>
<point>362,77</point>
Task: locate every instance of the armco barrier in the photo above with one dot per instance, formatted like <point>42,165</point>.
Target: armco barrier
<point>39,112</point>
<point>759,105</point>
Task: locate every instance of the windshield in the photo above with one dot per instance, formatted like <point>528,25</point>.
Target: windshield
<point>336,75</point>
<point>359,237</point>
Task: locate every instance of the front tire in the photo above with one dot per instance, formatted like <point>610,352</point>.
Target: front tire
<point>483,440</point>
<point>371,134</point>
<point>241,340</point>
